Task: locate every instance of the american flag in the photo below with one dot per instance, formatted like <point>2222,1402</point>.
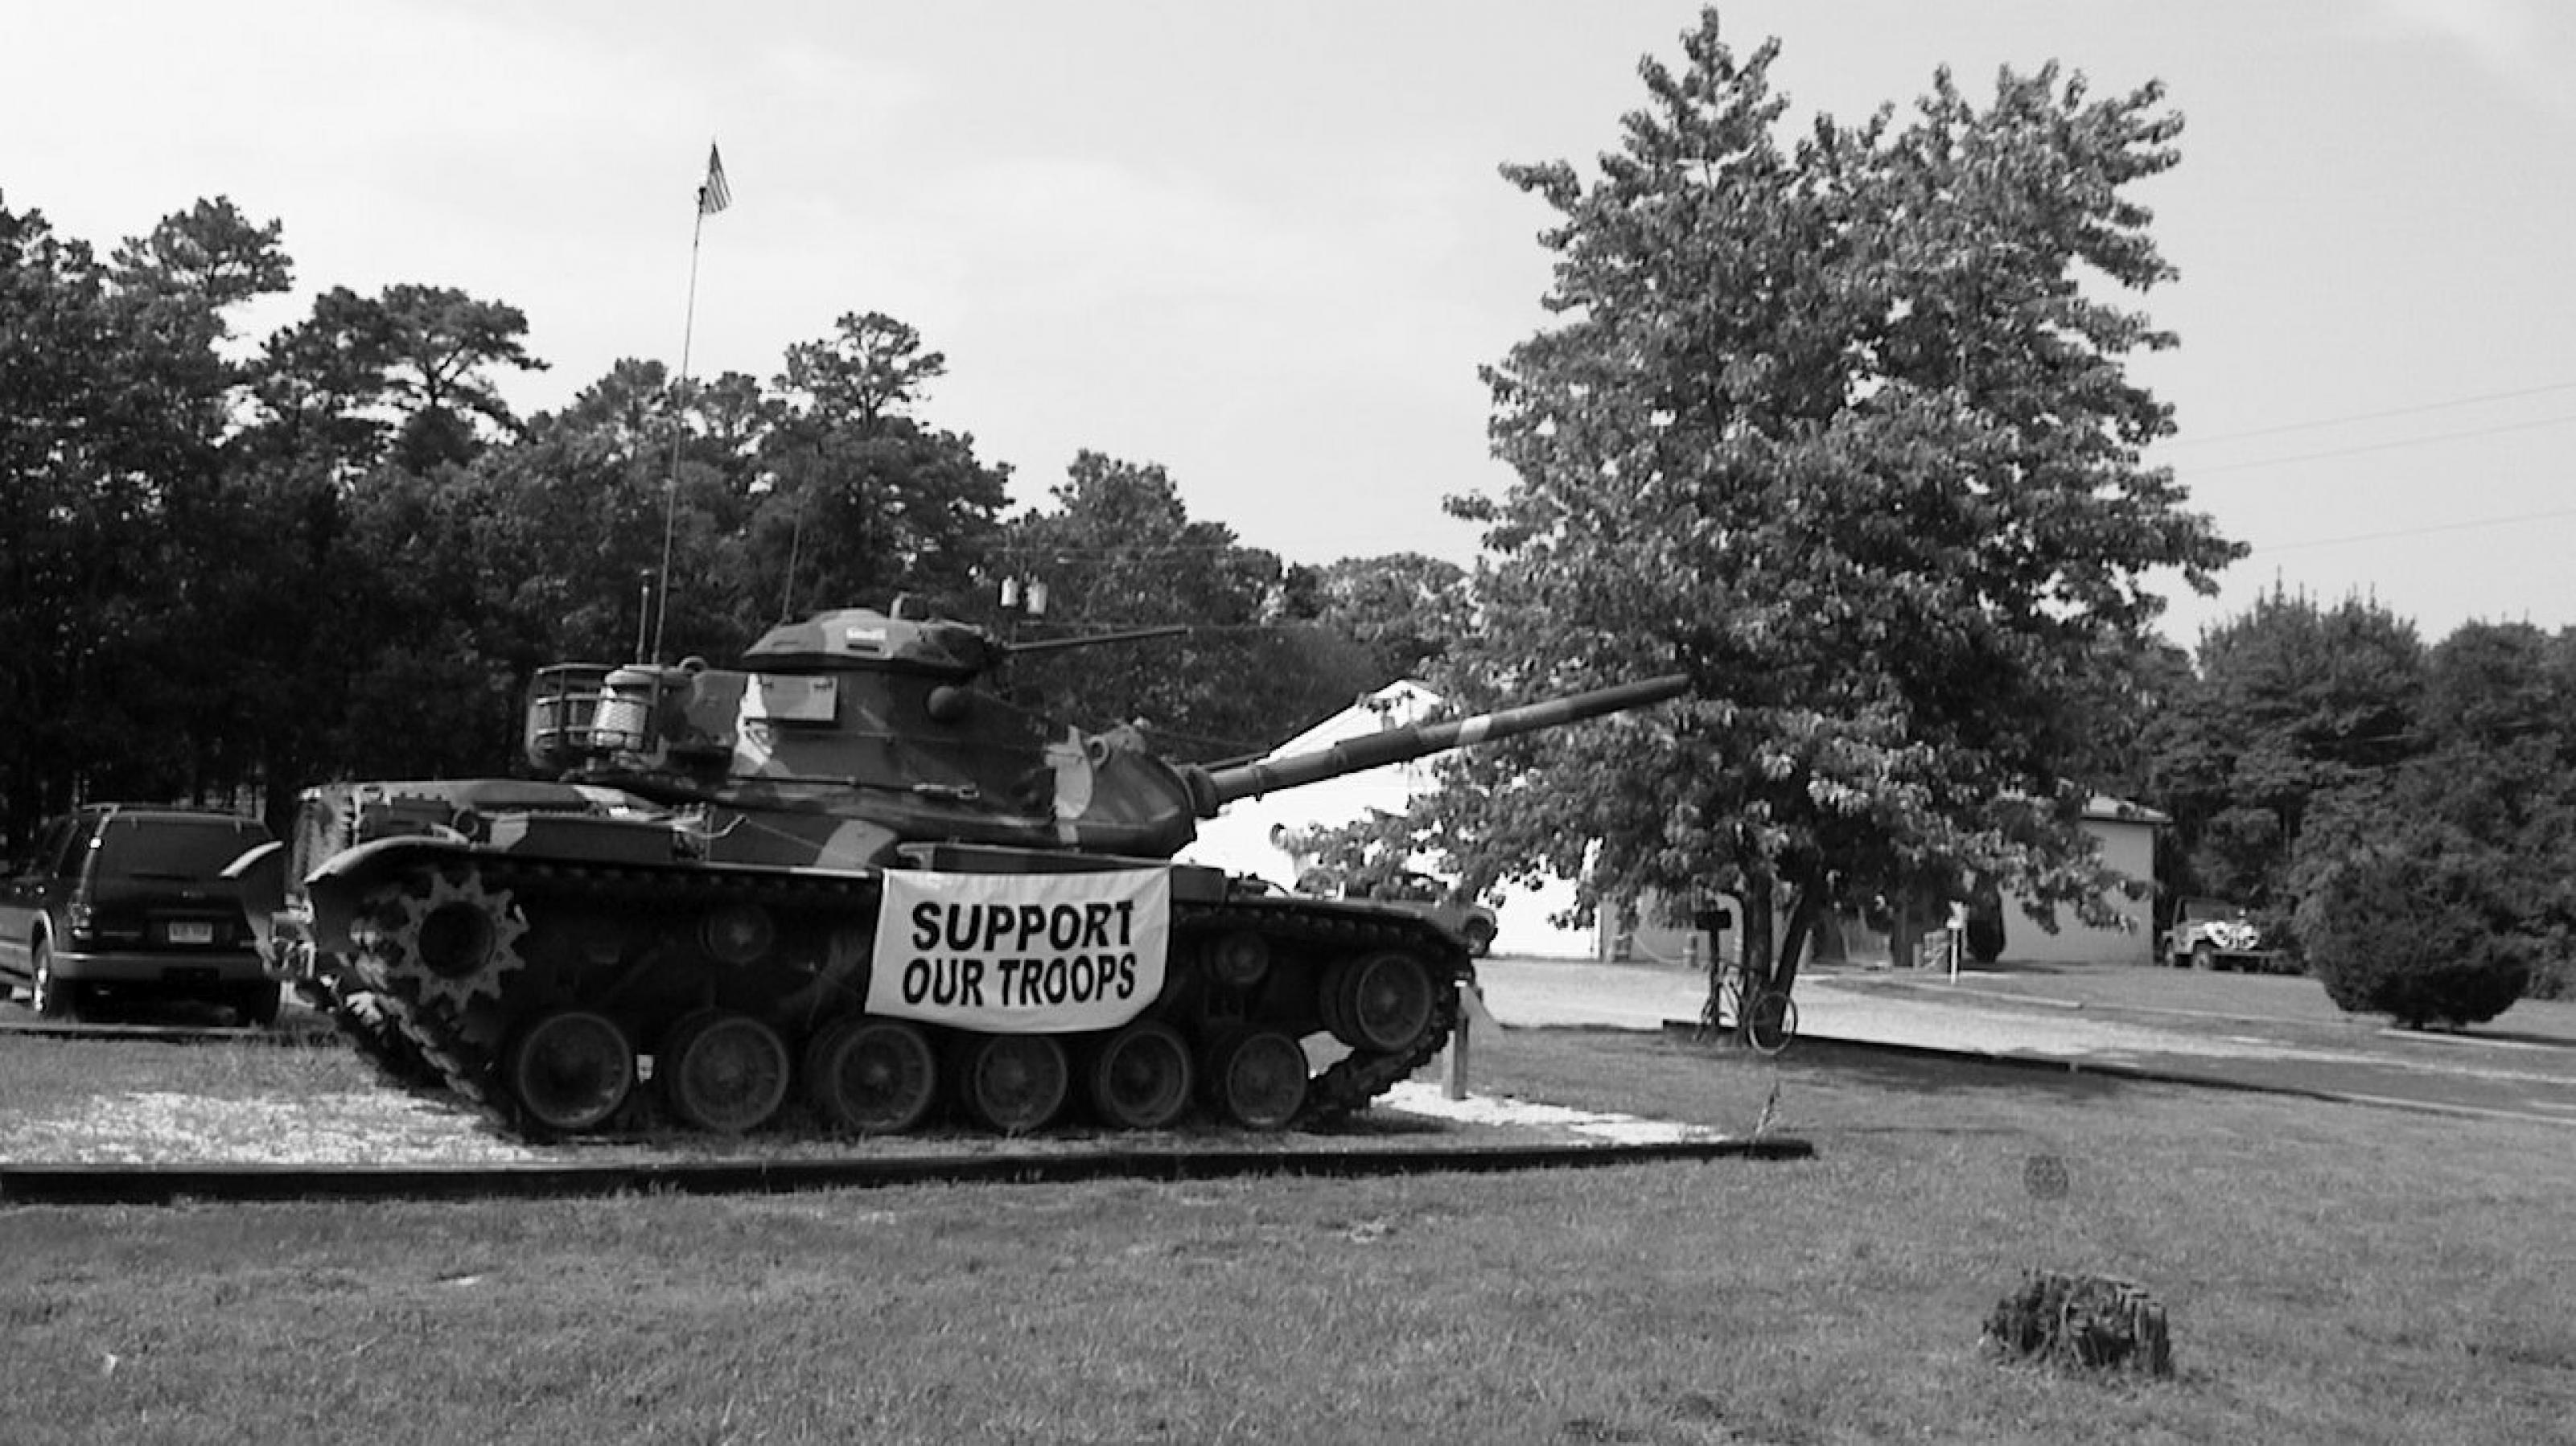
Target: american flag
<point>715,195</point>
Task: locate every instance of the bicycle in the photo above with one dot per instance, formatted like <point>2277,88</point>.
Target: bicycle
<point>1768,1023</point>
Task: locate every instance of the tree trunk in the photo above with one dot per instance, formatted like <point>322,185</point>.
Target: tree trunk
<point>1803,913</point>
<point>1753,943</point>
<point>1905,930</point>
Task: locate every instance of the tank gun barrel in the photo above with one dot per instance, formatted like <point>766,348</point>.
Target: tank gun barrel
<point>1213,788</point>
<point>1085,640</point>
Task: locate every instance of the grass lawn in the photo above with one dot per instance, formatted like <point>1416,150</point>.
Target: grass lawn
<point>2332,1273</point>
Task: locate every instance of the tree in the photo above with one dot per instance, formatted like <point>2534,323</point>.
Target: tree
<point>2291,702</point>
<point>203,604</point>
<point>318,388</point>
<point>113,405</point>
<point>634,460</point>
<point>859,500</point>
<point>440,343</point>
<point>2419,928</point>
<point>1403,607</point>
<point>1119,550</point>
<point>1844,431</point>
<point>870,369</point>
<point>2485,788</point>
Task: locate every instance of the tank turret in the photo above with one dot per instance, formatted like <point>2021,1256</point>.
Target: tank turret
<point>855,733</point>
<point>861,880</point>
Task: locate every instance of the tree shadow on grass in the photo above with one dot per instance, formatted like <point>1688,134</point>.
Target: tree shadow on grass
<point>2475,1034</point>
<point>1927,1072</point>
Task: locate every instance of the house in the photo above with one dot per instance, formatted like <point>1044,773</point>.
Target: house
<point>2126,833</point>
<point>1243,838</point>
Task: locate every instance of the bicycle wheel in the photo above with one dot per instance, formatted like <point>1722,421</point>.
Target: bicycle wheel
<point>1771,1022</point>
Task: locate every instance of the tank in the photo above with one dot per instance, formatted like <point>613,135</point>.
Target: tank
<point>859,881</point>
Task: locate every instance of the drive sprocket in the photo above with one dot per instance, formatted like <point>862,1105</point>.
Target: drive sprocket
<point>448,942</point>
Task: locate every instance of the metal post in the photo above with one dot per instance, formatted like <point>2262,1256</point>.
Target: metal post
<point>1454,1077</point>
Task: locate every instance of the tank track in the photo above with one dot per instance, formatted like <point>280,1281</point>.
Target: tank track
<point>1349,1084</point>
<point>468,1068</point>
<point>377,1038</point>
<point>423,1044</point>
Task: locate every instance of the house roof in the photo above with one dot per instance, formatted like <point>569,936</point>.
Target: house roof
<point>2103,808</point>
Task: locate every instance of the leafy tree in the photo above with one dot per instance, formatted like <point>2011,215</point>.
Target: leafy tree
<point>402,377</point>
<point>198,641</point>
<point>319,388</point>
<point>1844,431</point>
<point>1403,607</point>
<point>2489,783</point>
<point>1121,551</point>
<point>441,344</point>
<point>2291,702</point>
<point>872,368</point>
<point>634,460</point>
<point>211,255</point>
<point>859,499</point>
<point>112,409</point>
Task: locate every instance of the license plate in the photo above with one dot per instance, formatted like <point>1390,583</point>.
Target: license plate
<point>192,931</point>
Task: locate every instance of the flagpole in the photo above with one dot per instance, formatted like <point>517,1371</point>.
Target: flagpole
<point>713,195</point>
<point>679,430</point>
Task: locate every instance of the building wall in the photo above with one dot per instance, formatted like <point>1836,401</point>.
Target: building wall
<point>2128,845</point>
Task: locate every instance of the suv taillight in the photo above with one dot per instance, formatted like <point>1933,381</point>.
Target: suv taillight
<point>92,925</point>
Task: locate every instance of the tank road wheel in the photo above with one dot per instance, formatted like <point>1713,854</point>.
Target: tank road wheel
<point>453,942</point>
<point>1257,1078</point>
<point>738,935</point>
<point>1139,1077</point>
<point>723,1071</point>
<point>570,1070</point>
<point>875,1076</point>
<point>1379,1002</point>
<point>1012,1082</point>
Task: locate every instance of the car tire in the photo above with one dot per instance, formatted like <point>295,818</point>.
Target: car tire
<point>48,996</point>
<point>2204,957</point>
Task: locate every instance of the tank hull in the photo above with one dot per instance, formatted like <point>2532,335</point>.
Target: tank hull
<point>569,973</point>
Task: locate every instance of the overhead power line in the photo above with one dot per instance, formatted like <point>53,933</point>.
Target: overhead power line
<point>2189,473</point>
<point>2471,525</point>
<point>2380,415</point>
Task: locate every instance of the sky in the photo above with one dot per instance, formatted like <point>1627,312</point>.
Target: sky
<point>1268,247</point>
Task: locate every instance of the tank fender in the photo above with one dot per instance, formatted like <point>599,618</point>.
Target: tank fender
<point>261,872</point>
<point>336,888</point>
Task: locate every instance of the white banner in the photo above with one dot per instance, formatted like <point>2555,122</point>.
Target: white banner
<point>1021,953</point>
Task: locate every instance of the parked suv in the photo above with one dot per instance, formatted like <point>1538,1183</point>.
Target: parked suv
<point>129,900</point>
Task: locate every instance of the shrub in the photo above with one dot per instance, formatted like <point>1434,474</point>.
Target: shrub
<point>2418,930</point>
<point>1985,939</point>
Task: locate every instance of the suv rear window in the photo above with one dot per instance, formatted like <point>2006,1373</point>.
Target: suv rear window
<point>175,848</point>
